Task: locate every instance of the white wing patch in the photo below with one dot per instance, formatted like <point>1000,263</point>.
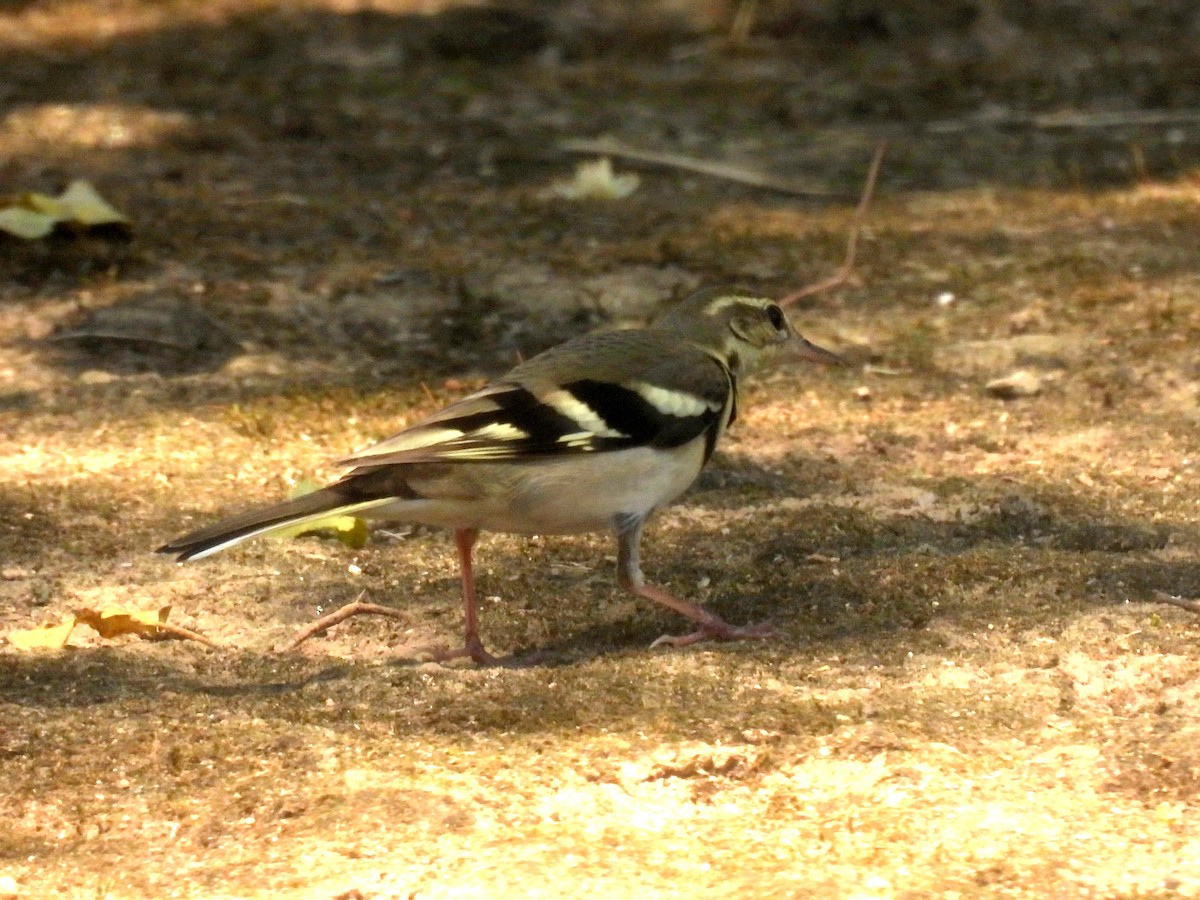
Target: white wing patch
<point>593,425</point>
<point>680,404</point>
<point>500,431</point>
<point>581,439</point>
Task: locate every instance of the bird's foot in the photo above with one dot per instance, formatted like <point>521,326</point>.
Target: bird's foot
<point>717,630</point>
<point>475,651</point>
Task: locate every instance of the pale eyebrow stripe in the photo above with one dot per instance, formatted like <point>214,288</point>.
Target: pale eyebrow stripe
<point>720,303</point>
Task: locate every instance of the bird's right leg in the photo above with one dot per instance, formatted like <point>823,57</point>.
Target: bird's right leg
<point>710,626</point>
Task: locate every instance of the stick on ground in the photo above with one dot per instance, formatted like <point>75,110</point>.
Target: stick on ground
<point>323,624</point>
<point>860,214</point>
<point>1192,606</point>
<point>712,168</point>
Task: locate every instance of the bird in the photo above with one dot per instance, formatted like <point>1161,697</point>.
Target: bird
<point>594,434</point>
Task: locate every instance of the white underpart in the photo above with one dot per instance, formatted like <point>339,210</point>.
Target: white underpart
<point>673,403</point>
<point>562,495</point>
<point>584,416</point>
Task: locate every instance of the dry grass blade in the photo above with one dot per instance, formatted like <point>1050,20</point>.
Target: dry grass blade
<point>1131,118</point>
<point>860,214</point>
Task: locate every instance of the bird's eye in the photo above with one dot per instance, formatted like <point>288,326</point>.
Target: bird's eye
<point>775,315</point>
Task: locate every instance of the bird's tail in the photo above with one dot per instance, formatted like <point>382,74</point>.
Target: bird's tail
<point>256,522</point>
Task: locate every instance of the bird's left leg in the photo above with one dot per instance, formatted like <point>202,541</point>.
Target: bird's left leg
<point>464,541</point>
<point>629,576</point>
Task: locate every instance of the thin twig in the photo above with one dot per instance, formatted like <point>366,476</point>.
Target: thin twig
<point>752,177</point>
<point>323,624</point>
<point>860,214</point>
<point>166,630</point>
<point>1115,119</point>
<point>1192,606</point>
<point>743,22</point>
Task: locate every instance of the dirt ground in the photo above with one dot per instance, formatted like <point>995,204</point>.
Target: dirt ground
<point>343,219</point>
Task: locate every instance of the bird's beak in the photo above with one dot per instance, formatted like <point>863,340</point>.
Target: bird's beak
<point>806,349</point>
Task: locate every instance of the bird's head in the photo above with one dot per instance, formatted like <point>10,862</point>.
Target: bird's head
<point>739,327</point>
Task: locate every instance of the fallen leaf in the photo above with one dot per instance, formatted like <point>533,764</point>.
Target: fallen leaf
<point>45,205</point>
<point>44,637</point>
<point>595,180</point>
<point>85,206</point>
<point>115,621</point>
<point>26,223</point>
<point>33,215</point>
<point>110,622</point>
<point>352,531</point>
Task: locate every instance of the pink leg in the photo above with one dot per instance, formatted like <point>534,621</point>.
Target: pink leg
<point>711,626</point>
<point>464,540</point>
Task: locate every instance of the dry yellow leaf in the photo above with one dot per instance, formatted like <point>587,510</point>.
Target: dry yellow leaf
<point>349,530</point>
<point>85,206</point>
<point>595,180</point>
<point>115,621</point>
<point>54,207</point>
<point>109,623</point>
<point>44,637</point>
<point>26,223</point>
<point>35,215</point>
